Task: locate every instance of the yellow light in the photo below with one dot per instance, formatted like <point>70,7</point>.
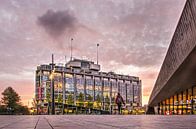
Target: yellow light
<point>51,76</point>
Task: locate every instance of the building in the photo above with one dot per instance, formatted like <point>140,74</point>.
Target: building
<point>175,89</point>
<point>80,82</point>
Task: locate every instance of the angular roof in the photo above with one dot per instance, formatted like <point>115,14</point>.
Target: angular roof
<point>179,67</point>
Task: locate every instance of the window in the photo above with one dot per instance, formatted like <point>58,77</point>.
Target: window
<point>69,84</point>
<point>89,88</point>
<point>114,89</point>
<point>106,91</point>
<point>180,102</point>
<point>79,84</point>
<point>129,93</point>
<point>194,100</point>
<point>98,88</point>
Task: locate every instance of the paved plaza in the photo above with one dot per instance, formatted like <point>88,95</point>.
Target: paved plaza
<point>98,122</point>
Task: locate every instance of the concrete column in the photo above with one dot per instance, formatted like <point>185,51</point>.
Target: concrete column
<point>133,93</point>
<point>186,100</point>
<point>173,106</point>
<point>162,108</point>
<point>102,97</point>
<point>63,82</point>
<point>182,102</point>
<point>93,78</point>
<point>110,85</point>
<point>178,103</point>
<point>169,106</point>
<point>125,99</point>
<point>192,100</point>
<point>75,88</point>
<point>84,78</point>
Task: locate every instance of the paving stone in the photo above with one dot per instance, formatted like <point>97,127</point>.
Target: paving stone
<point>98,122</point>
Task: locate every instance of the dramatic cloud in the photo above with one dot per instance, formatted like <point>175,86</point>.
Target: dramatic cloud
<point>57,23</point>
<point>133,35</point>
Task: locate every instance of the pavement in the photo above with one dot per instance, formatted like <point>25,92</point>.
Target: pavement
<point>98,122</point>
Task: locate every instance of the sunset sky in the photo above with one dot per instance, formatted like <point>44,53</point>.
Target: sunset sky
<point>134,36</point>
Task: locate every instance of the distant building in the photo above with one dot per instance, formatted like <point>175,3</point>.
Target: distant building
<point>81,80</point>
<point>175,89</point>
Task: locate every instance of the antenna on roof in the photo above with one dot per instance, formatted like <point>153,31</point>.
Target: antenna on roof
<point>65,60</point>
<point>97,52</point>
<point>71,49</point>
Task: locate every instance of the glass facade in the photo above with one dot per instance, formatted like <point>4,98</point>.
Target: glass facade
<point>129,92</point>
<point>114,89</point>
<point>69,85</point>
<point>194,100</point>
<point>175,105</point>
<point>98,88</point>
<point>79,86</point>
<point>106,89</point>
<point>89,88</point>
<point>122,89</point>
<point>73,88</point>
<point>182,103</point>
<point>58,87</point>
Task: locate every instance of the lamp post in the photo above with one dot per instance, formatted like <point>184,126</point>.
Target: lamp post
<point>52,84</point>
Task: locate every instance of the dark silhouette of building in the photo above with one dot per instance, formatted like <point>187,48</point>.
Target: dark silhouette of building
<point>175,88</point>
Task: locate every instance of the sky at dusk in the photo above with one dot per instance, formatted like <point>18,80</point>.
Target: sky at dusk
<point>133,35</point>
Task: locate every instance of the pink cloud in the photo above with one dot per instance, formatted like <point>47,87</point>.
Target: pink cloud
<point>130,33</point>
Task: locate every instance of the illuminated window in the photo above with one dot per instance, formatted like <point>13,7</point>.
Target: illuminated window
<point>114,89</point>
<point>89,88</point>
<point>98,88</point>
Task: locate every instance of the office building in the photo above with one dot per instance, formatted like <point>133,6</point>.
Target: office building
<point>81,82</point>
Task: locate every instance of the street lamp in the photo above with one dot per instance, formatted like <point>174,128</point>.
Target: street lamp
<point>52,85</point>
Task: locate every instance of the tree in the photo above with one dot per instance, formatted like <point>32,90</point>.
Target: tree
<point>90,103</point>
<point>60,99</point>
<point>98,101</point>
<point>22,110</point>
<point>81,99</point>
<point>10,98</point>
<point>11,103</point>
<point>98,98</point>
<point>70,99</point>
<point>107,102</point>
<point>48,99</point>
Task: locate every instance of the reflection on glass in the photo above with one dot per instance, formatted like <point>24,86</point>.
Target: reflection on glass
<point>106,89</point>
<point>79,84</point>
<point>89,88</point>
<point>114,89</point>
<point>69,84</point>
<point>98,88</point>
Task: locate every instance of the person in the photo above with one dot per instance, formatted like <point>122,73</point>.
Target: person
<point>119,101</point>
